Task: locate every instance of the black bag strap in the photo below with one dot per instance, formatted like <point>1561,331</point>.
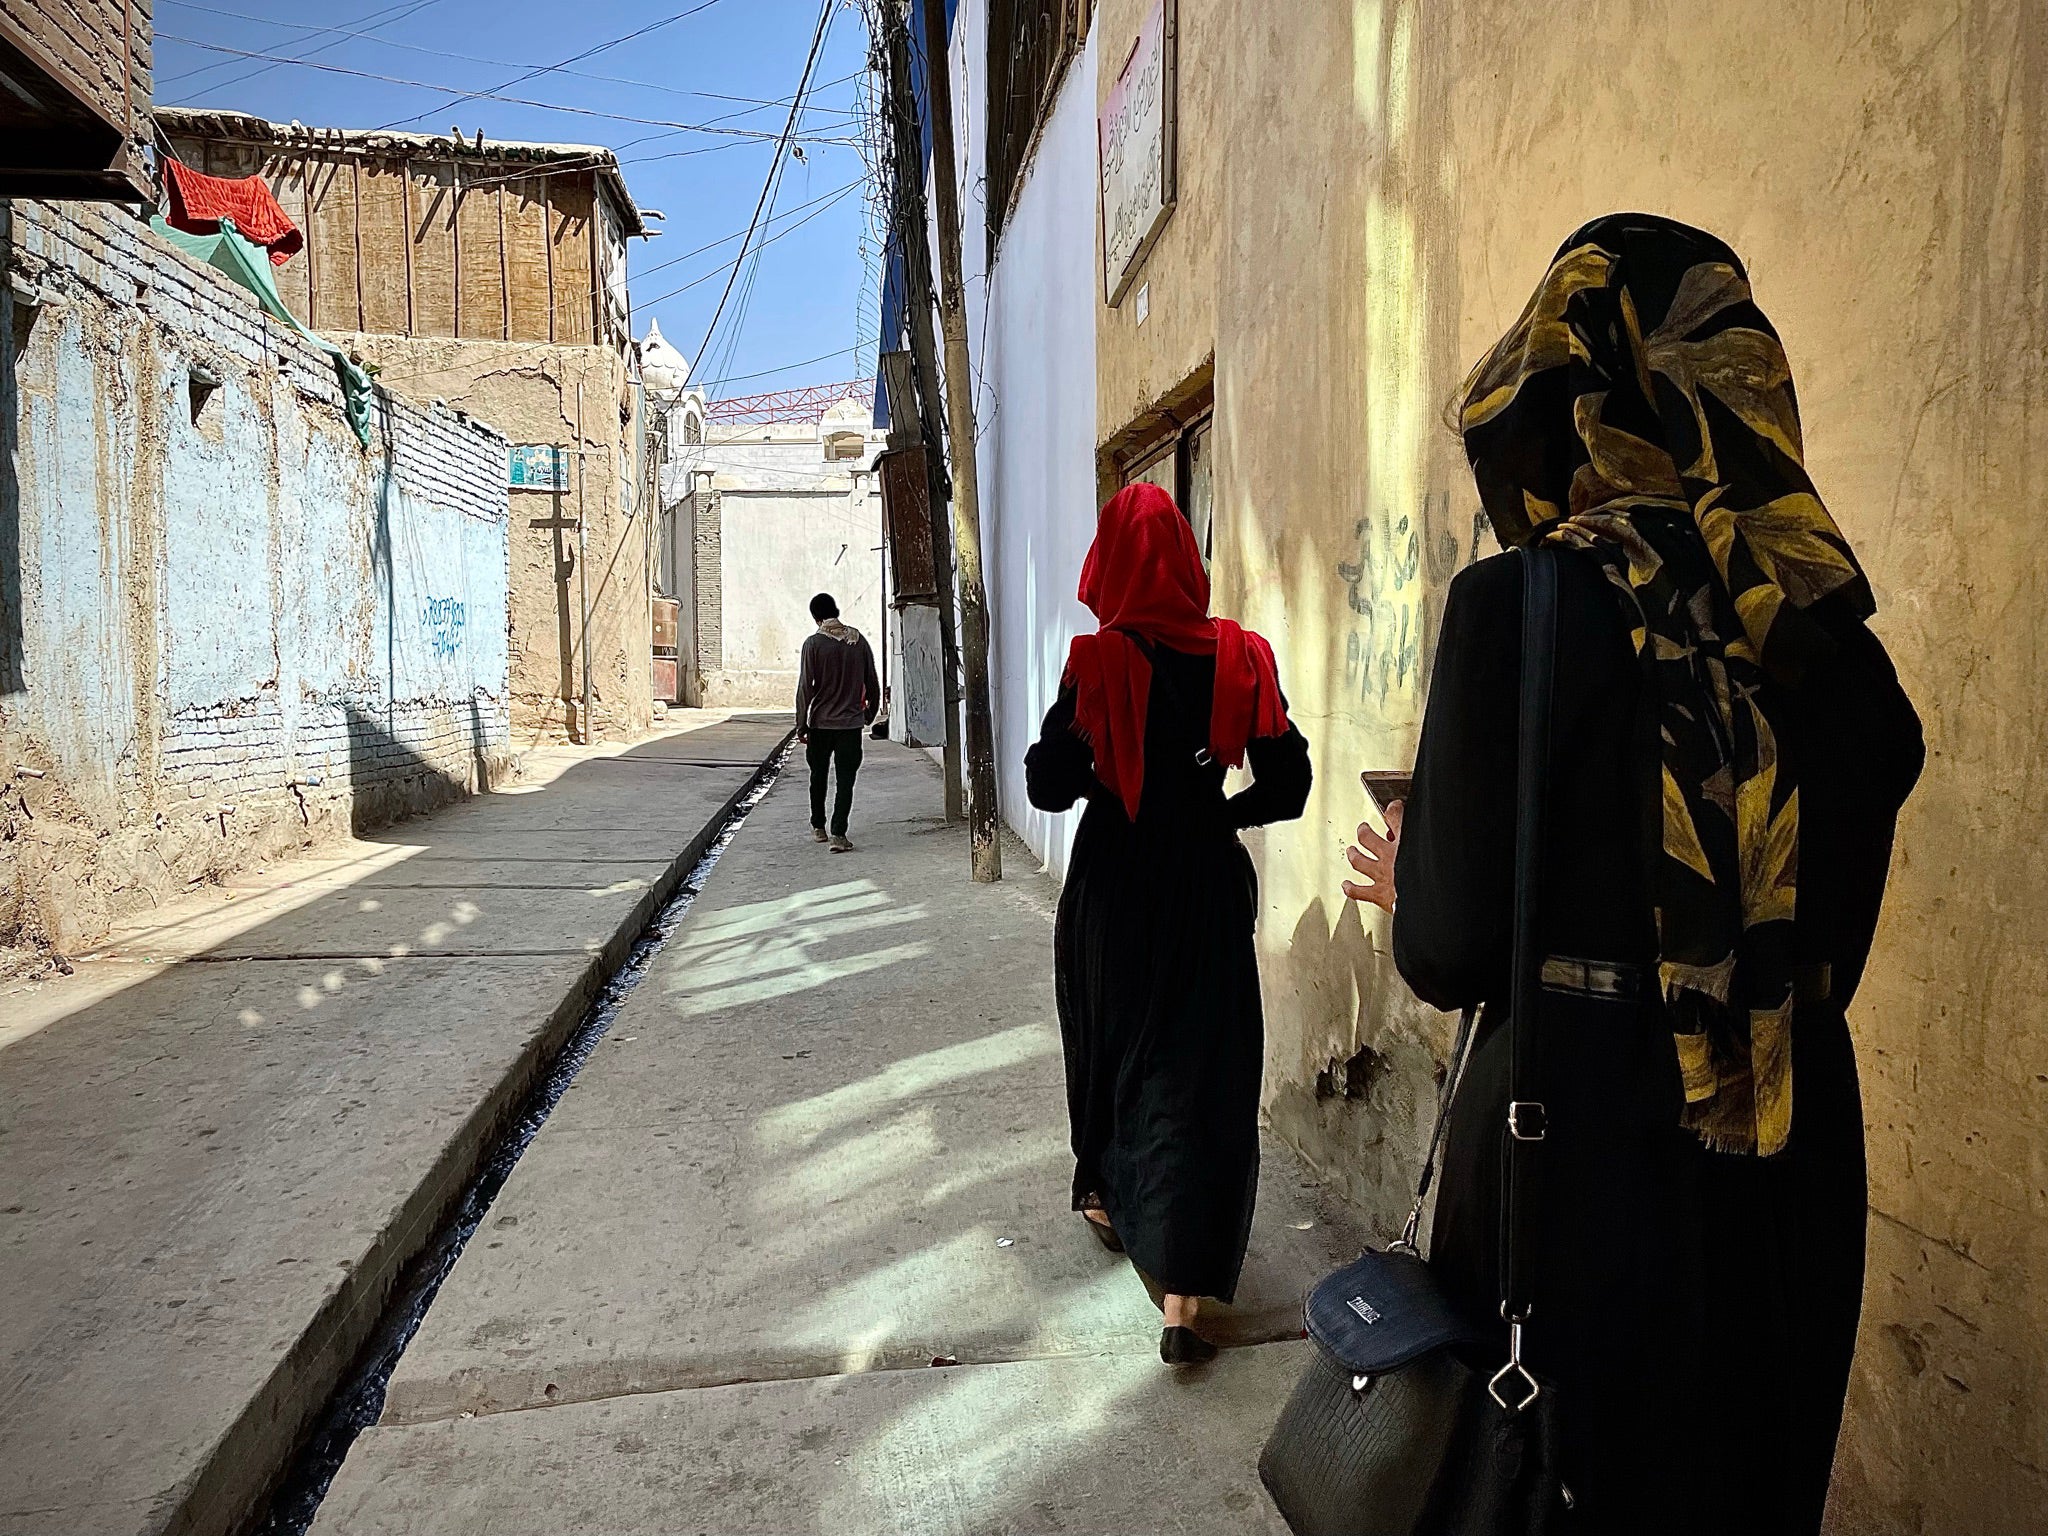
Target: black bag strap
<point>1165,677</point>
<point>1446,1095</point>
<point>1528,1122</point>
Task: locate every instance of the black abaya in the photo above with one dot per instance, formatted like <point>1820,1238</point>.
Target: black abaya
<point>1158,983</point>
<point>1696,1310</point>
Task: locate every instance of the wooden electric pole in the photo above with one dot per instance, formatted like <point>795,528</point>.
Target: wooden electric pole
<point>919,299</point>
<point>981,746</point>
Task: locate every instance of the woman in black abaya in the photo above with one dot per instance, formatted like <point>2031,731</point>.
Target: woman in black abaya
<point>1731,750</point>
<point>1157,979</point>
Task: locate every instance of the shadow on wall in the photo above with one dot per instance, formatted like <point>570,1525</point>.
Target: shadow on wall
<point>389,780</point>
<point>13,334</point>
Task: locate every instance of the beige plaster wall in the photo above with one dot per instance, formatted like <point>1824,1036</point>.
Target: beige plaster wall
<point>527,391</point>
<point>1368,193</point>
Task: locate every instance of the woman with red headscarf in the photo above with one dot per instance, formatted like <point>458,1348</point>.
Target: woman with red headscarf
<point>1158,981</point>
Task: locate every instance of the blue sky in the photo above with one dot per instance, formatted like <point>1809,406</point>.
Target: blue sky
<point>811,291</point>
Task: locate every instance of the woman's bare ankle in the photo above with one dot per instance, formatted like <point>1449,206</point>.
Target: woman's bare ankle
<point>1181,1310</point>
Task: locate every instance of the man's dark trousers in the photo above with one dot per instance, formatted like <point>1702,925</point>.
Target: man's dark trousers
<point>827,748</point>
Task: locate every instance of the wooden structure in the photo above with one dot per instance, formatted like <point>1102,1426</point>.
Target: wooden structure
<point>418,235</point>
<point>74,98</point>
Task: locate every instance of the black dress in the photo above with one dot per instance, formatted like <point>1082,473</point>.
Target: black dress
<point>1158,982</point>
<point>1697,1310</point>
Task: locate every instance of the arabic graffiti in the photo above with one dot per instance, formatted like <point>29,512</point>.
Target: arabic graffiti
<point>441,619</point>
<point>1384,654</point>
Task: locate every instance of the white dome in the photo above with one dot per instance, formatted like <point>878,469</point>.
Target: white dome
<point>663,369</point>
<point>850,412</point>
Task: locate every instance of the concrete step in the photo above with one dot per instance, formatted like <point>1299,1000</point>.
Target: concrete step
<point>1094,1443</point>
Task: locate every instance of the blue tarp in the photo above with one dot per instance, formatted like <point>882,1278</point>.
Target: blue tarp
<point>894,317</point>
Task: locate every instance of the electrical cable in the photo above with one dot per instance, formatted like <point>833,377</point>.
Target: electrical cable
<point>775,170</point>
<point>741,378</point>
<point>728,239</point>
<point>661,298</point>
<point>755,102</point>
<point>574,58</point>
<point>389,16</point>
<point>517,101</point>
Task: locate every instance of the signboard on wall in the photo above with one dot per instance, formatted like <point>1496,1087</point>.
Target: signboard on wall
<point>907,520</point>
<point>1134,145</point>
<point>537,467</point>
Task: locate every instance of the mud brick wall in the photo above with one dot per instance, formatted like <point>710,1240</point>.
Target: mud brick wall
<point>227,630</point>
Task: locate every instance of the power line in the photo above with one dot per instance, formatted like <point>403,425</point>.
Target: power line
<point>775,170</point>
<point>754,103</point>
<point>574,58</point>
<point>517,101</point>
<point>829,200</point>
<point>390,15</point>
<point>741,378</point>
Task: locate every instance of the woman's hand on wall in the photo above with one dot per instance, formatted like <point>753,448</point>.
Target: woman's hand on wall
<point>1373,857</point>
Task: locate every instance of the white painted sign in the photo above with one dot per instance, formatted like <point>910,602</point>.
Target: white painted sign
<point>1134,138</point>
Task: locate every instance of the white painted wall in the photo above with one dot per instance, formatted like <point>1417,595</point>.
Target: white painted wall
<point>778,549</point>
<point>1032,331</point>
<point>917,711</point>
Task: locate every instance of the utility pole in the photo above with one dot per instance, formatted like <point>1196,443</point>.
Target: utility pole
<point>914,242</point>
<point>981,753</point>
<point>583,564</point>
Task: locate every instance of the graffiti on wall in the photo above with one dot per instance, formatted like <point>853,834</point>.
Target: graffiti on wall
<point>1383,652</point>
<point>1396,599</point>
<point>441,620</point>
<point>920,681</point>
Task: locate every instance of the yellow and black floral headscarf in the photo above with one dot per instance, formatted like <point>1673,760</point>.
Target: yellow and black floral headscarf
<point>1641,410</point>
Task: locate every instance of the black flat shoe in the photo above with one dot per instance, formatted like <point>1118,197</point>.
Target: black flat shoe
<point>1105,1234</point>
<point>1184,1346</point>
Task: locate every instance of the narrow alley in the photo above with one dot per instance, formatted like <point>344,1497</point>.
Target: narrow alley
<point>1023,768</point>
<point>794,1252</point>
<point>228,1130</point>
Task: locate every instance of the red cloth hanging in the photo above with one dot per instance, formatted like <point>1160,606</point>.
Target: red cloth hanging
<point>199,202</point>
<point>1144,576</point>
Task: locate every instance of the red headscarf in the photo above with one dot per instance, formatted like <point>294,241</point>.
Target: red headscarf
<point>1144,576</point>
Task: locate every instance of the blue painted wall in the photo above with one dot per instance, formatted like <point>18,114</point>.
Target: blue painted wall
<point>220,599</point>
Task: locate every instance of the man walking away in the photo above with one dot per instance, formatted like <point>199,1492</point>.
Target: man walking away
<point>837,698</point>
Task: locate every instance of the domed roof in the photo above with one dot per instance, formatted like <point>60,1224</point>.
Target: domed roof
<point>849,412</point>
<point>663,369</point>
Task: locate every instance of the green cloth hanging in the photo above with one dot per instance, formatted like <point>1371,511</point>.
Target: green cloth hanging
<point>249,265</point>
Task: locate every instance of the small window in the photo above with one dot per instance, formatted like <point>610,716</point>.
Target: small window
<point>693,430</point>
<point>1183,466</point>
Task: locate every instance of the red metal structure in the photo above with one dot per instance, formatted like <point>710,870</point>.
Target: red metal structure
<point>806,404</point>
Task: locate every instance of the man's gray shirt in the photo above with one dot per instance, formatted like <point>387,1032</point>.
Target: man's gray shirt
<point>836,685</point>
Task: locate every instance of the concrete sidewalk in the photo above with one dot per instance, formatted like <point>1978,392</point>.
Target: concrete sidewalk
<point>223,1137</point>
<point>822,1150</point>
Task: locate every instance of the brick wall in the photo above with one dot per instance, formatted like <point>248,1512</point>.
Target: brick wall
<point>226,629</point>
<point>91,42</point>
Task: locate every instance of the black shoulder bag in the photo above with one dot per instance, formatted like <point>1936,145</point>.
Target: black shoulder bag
<point>1405,1423</point>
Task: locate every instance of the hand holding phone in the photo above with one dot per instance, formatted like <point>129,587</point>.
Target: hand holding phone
<point>1372,856</point>
<point>1387,786</point>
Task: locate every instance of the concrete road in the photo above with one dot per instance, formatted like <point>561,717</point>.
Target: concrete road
<point>822,1149</point>
<point>222,1138</point>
